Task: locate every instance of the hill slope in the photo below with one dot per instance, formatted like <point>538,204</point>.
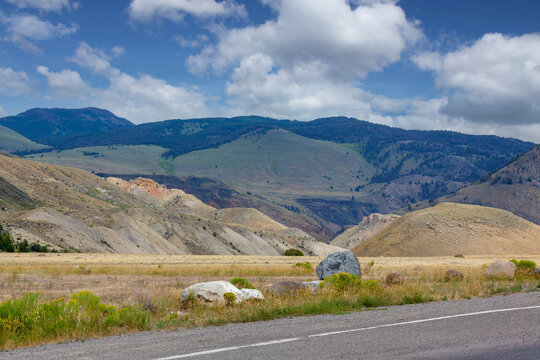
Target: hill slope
<point>515,187</point>
<point>44,125</point>
<point>369,226</point>
<point>75,210</point>
<point>449,229</point>
<point>11,141</point>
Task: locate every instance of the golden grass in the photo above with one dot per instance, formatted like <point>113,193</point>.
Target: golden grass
<point>156,281</point>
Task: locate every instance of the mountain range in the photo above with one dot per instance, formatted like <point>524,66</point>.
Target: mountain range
<point>320,176</point>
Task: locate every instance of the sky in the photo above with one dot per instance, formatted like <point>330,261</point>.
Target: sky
<point>461,65</point>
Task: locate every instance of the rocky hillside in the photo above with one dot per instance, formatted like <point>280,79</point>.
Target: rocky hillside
<point>368,227</point>
<point>448,229</point>
<point>74,210</point>
<point>515,187</point>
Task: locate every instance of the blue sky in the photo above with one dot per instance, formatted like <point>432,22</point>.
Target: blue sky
<point>469,66</point>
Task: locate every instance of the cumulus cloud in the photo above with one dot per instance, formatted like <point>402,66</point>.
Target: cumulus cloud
<point>22,29</point>
<point>44,5</point>
<point>195,42</point>
<point>496,80</point>
<point>139,98</point>
<point>14,83</point>
<point>66,83</point>
<point>175,10</point>
<point>347,42</point>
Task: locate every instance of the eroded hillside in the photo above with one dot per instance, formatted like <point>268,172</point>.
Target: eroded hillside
<point>78,211</point>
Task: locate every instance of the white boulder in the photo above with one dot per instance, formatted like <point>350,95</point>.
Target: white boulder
<point>213,291</point>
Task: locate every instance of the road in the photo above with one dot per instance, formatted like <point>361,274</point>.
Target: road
<point>501,327</point>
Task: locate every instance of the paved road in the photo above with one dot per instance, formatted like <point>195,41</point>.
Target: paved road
<point>502,327</point>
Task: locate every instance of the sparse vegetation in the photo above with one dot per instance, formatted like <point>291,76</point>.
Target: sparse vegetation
<point>305,265</point>
<point>293,252</point>
<point>8,245</point>
<point>242,283</point>
<point>131,297</point>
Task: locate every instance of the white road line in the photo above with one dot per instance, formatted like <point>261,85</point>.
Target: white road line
<point>273,342</point>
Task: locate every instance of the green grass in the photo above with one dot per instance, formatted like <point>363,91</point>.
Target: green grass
<point>30,319</point>
<point>262,163</point>
<point>117,159</point>
<point>12,141</point>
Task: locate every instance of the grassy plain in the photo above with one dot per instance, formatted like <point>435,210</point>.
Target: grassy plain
<point>142,292</point>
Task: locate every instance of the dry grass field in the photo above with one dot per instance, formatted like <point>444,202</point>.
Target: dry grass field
<point>120,278</point>
<point>59,297</point>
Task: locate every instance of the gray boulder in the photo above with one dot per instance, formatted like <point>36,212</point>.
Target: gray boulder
<point>343,261</point>
<point>536,271</point>
<point>285,287</point>
<point>213,291</point>
<point>501,269</point>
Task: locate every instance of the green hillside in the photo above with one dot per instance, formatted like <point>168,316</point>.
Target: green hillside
<point>11,141</point>
<point>140,159</point>
<point>280,162</point>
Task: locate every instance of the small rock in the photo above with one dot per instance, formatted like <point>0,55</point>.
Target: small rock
<point>342,261</point>
<point>453,275</point>
<point>501,269</point>
<point>285,287</point>
<point>536,271</point>
<point>250,294</point>
<point>394,278</point>
<point>312,285</point>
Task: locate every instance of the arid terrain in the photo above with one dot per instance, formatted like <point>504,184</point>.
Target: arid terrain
<point>450,229</point>
<point>118,278</point>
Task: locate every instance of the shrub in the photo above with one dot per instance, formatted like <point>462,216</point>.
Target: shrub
<point>293,252</point>
<point>459,256</point>
<point>230,298</point>
<point>242,283</point>
<point>342,281</point>
<point>524,266</point>
<point>306,265</point>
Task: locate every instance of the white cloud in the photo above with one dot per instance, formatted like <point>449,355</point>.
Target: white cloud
<point>175,10</point>
<point>348,43</point>
<point>496,80</point>
<point>2,112</point>
<point>14,83</point>
<point>142,98</point>
<point>66,83</point>
<point>31,27</point>
<point>198,41</point>
<point>45,5</point>
<point>118,51</point>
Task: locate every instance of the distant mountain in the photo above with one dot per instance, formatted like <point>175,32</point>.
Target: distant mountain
<point>333,171</point>
<point>45,125</point>
<point>448,229</point>
<point>11,141</point>
<point>515,187</point>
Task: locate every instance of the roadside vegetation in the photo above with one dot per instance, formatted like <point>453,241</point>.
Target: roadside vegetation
<point>59,313</point>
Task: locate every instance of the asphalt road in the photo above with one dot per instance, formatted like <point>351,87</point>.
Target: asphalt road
<point>501,327</point>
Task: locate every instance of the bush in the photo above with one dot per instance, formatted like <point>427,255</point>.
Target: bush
<point>242,283</point>
<point>306,265</point>
<point>293,252</point>
<point>524,266</point>
<point>459,256</point>
<point>342,281</point>
<point>230,298</point>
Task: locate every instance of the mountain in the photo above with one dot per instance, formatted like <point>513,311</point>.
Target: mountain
<point>45,125</point>
<point>75,210</point>
<point>448,229</point>
<point>515,187</point>
<point>369,226</point>
<point>11,141</point>
<point>330,172</point>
